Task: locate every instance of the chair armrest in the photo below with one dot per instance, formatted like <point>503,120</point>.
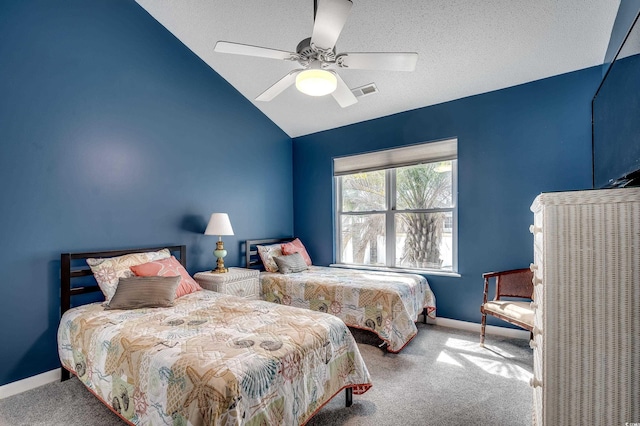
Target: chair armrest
<point>497,274</point>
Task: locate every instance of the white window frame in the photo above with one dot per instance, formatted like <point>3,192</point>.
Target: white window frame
<point>389,161</point>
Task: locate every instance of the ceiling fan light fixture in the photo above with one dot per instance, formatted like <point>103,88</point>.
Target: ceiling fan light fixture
<point>316,82</point>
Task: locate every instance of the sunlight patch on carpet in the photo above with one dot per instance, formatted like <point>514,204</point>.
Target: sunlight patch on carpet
<point>447,359</point>
<point>465,345</point>
<point>499,368</point>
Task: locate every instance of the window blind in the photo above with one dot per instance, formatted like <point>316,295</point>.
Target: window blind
<point>396,157</point>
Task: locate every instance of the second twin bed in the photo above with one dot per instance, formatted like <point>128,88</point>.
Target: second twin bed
<point>385,303</point>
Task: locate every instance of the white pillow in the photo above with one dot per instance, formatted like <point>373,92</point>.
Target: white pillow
<point>108,271</point>
<point>267,253</point>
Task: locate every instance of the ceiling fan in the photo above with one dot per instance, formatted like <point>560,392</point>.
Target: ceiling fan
<point>318,58</point>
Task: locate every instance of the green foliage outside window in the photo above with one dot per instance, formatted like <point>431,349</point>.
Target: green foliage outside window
<point>419,204</point>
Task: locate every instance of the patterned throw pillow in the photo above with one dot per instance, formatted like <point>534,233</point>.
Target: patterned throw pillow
<point>267,253</point>
<point>107,271</point>
<point>296,246</point>
<point>291,263</point>
<point>168,268</point>
<point>144,292</point>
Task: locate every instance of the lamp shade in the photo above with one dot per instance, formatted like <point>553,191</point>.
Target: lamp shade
<point>316,82</point>
<point>219,224</point>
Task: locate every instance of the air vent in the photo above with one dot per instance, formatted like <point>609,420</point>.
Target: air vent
<point>366,90</point>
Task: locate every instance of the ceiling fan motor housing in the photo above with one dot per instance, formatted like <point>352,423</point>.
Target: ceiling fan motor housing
<point>309,54</point>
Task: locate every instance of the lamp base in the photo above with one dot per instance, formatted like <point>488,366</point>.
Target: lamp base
<point>220,253</point>
<point>220,270</point>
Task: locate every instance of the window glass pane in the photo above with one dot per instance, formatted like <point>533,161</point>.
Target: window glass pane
<point>424,240</point>
<point>363,239</point>
<point>424,186</point>
<point>363,192</point>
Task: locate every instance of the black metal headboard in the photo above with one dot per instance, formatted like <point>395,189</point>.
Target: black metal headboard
<point>68,270</point>
<point>252,257</point>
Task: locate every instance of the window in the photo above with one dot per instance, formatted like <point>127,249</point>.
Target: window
<point>397,208</point>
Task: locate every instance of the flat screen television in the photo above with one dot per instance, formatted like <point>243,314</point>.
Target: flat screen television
<point>616,118</point>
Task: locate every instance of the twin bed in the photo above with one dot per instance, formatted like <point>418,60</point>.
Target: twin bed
<point>208,359</point>
<point>385,303</point>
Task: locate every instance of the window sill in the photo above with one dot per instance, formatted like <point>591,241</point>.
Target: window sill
<point>408,271</point>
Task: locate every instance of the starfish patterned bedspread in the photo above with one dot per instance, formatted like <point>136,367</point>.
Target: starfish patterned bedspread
<point>212,359</point>
<point>387,303</point>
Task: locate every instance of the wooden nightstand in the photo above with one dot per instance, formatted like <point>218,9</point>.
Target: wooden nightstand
<point>239,282</point>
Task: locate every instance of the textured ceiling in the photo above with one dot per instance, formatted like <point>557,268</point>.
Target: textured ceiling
<point>465,48</point>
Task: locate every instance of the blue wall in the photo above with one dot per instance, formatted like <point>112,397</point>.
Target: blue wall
<point>114,135</point>
<point>512,145</point>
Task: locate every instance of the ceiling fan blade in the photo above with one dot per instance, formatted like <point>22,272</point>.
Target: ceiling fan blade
<point>396,61</point>
<point>343,95</point>
<point>278,87</point>
<point>330,17</point>
<point>248,50</point>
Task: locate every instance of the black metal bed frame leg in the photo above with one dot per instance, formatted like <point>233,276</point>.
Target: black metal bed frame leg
<point>348,393</point>
<point>64,374</point>
<point>424,312</point>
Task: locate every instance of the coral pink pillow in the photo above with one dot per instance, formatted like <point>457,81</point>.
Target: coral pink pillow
<point>168,268</point>
<point>296,246</point>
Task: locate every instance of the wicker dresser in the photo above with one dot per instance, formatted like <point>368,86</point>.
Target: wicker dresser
<point>238,282</point>
<point>587,307</point>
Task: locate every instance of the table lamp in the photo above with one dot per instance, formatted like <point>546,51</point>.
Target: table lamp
<point>219,225</point>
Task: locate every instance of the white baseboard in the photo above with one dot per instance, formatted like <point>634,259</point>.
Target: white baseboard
<point>32,382</point>
<point>472,326</point>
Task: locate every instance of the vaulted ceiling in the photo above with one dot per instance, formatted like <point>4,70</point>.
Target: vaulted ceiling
<point>465,48</point>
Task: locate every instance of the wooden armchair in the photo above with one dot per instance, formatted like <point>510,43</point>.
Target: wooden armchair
<point>516,283</point>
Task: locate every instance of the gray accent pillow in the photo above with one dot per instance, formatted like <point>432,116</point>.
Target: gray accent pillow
<point>144,292</point>
<point>291,263</point>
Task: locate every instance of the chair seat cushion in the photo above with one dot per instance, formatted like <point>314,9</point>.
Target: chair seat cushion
<point>519,311</point>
